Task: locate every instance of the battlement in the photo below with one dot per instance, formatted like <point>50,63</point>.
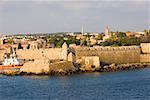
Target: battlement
<point>100,48</point>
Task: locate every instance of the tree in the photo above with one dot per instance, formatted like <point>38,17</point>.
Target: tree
<point>28,46</point>
<point>20,46</point>
<point>77,42</point>
<point>10,41</point>
<point>59,43</point>
<point>121,35</point>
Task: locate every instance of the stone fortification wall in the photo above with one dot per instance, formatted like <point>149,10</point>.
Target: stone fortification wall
<point>145,47</point>
<point>118,55</point>
<point>145,58</point>
<point>52,53</point>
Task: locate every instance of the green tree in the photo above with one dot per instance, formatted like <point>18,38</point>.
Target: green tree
<point>28,46</point>
<point>59,43</point>
<point>10,41</point>
<point>121,35</point>
<point>77,42</point>
<point>20,46</point>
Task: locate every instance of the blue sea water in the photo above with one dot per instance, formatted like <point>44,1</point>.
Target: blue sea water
<point>122,85</point>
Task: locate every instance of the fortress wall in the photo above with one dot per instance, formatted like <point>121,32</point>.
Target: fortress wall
<point>123,54</point>
<point>52,53</point>
<point>145,47</point>
<point>145,58</point>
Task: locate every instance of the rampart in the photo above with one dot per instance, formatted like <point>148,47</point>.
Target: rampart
<point>53,53</point>
<point>50,53</point>
<point>118,55</point>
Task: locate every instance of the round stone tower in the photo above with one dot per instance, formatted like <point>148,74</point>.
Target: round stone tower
<point>64,51</point>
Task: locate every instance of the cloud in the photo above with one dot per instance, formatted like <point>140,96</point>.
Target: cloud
<point>70,15</point>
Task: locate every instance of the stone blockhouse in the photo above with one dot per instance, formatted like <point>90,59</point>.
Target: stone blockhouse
<point>145,49</point>
<point>89,62</point>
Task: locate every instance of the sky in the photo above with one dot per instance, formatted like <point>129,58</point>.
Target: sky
<point>46,16</point>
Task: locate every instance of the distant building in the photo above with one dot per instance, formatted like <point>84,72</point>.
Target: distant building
<point>107,34</point>
<point>40,43</point>
<point>129,33</point>
<point>93,40</point>
<point>70,33</point>
<point>136,34</point>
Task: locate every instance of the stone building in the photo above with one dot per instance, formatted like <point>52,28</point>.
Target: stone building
<point>40,43</point>
<point>90,62</point>
<point>145,50</point>
<point>145,47</point>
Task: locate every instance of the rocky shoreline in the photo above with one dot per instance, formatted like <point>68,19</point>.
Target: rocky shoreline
<point>115,67</point>
<point>77,69</point>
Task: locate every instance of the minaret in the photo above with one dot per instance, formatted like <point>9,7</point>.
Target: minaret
<point>106,30</point>
<point>82,31</point>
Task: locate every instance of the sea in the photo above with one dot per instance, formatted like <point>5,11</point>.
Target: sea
<point>120,85</point>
